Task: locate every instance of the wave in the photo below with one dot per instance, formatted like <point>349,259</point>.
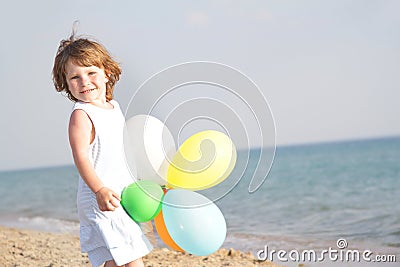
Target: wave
<point>44,224</point>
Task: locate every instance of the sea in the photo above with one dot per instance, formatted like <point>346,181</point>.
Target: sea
<point>328,196</point>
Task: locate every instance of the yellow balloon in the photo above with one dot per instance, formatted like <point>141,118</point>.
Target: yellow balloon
<point>205,159</point>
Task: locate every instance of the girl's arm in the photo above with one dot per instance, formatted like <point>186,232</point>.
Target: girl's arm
<point>81,134</point>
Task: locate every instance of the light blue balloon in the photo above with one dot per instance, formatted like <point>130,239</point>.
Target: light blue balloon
<point>195,223</point>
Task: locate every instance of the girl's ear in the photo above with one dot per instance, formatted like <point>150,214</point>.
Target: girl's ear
<point>108,74</point>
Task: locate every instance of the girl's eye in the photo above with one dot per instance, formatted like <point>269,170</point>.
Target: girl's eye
<point>74,77</point>
<point>92,73</point>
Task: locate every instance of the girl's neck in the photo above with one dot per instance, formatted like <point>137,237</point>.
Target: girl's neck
<point>102,104</point>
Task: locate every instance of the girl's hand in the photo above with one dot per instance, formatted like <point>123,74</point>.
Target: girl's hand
<point>107,199</point>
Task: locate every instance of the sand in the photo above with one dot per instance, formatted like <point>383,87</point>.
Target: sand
<point>39,249</point>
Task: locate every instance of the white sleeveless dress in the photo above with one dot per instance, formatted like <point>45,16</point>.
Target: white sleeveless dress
<point>110,235</point>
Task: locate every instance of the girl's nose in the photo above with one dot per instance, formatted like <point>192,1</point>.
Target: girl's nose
<point>84,80</point>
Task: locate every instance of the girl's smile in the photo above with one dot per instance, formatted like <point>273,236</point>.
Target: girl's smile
<point>87,91</point>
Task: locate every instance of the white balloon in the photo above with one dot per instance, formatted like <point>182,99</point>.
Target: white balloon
<point>149,147</point>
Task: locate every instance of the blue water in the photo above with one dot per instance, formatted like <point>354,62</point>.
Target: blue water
<point>313,195</point>
<point>316,194</point>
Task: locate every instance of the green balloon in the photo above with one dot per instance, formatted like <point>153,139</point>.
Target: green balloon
<point>142,200</point>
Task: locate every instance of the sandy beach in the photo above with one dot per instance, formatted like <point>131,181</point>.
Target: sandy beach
<point>25,248</point>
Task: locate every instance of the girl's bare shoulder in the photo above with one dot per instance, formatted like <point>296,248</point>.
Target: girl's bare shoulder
<point>80,120</point>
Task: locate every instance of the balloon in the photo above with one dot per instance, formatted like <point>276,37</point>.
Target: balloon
<point>163,232</point>
<point>193,221</point>
<point>142,200</point>
<point>148,145</point>
<point>205,159</point>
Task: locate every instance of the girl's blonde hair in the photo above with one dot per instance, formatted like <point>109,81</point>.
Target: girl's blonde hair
<point>84,52</point>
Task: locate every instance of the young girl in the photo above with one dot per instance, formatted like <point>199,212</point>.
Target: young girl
<point>85,71</point>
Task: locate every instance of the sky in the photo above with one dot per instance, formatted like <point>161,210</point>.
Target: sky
<point>327,69</point>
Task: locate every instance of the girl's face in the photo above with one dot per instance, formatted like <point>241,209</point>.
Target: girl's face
<point>87,84</point>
